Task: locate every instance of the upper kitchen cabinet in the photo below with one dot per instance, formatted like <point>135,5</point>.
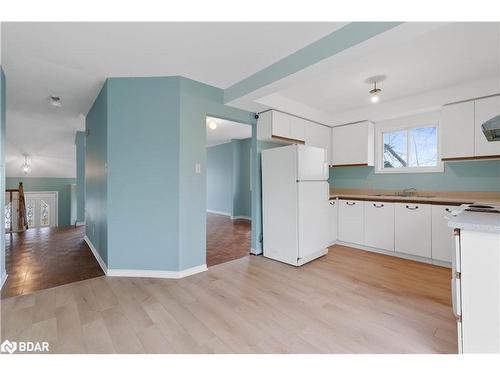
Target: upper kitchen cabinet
<point>461,133</point>
<point>457,131</point>
<point>353,144</point>
<point>278,126</point>
<point>319,136</point>
<point>486,109</point>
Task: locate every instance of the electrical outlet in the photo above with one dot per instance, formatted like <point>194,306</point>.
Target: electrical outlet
<point>197,168</point>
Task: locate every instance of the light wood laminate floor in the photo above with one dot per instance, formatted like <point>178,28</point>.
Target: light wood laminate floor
<point>349,301</point>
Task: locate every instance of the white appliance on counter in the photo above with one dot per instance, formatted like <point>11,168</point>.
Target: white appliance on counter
<point>475,281</point>
<point>295,202</point>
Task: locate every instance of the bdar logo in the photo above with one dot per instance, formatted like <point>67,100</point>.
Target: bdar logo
<point>8,347</point>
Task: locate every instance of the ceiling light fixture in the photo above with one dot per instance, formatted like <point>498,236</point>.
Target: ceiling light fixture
<point>212,125</point>
<point>26,167</point>
<point>375,92</point>
<point>55,101</point>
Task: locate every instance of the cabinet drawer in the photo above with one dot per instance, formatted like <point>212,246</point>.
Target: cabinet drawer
<point>351,222</point>
<point>379,225</point>
<point>413,229</point>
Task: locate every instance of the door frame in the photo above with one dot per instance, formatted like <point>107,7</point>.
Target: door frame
<point>57,202</point>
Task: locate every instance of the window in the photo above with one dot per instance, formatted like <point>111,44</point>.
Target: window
<point>409,150</point>
<point>44,214</point>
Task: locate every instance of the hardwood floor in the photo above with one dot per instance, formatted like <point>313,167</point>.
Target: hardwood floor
<point>42,258</point>
<point>349,301</point>
<point>226,239</point>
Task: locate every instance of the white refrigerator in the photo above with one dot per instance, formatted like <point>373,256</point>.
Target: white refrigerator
<point>295,201</point>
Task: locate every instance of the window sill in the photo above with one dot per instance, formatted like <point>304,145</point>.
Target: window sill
<point>439,169</point>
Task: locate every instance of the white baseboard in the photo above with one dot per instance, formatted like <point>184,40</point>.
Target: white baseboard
<point>96,255</point>
<point>395,254</point>
<point>219,213</point>
<point>255,252</point>
<point>241,217</point>
<point>116,272</point>
<point>79,223</point>
<point>113,272</point>
<point>4,279</point>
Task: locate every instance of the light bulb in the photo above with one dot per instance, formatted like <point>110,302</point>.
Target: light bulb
<point>212,125</point>
<point>374,98</point>
<point>26,168</point>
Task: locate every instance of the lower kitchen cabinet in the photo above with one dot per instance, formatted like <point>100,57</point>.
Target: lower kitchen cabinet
<point>413,229</point>
<point>379,225</point>
<point>442,236</point>
<point>351,221</point>
<point>333,218</point>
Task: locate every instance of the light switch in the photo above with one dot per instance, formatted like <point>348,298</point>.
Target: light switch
<point>197,168</point>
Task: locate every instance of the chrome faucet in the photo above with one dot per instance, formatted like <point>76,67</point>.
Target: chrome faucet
<point>409,192</point>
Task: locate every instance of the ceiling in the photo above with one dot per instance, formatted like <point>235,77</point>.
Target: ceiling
<point>445,56</point>
<point>226,131</point>
<point>72,60</point>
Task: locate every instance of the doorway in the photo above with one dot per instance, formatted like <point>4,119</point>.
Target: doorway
<point>228,190</point>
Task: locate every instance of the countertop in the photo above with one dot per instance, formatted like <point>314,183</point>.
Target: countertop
<point>424,197</point>
<point>475,221</point>
<point>396,199</point>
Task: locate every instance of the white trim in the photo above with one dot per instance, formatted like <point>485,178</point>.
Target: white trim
<point>114,272</point>
<point>79,223</point>
<point>219,213</point>
<point>96,255</point>
<point>395,254</point>
<point>3,281</point>
<point>255,252</point>
<point>156,273</point>
<point>241,217</point>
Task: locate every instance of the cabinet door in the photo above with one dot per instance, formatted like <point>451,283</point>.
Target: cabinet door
<point>413,229</point>
<point>353,144</point>
<point>485,109</point>
<point>351,223</point>
<point>319,136</point>
<point>333,216</point>
<point>297,128</point>
<point>457,130</point>
<point>443,241</point>
<point>281,125</point>
<point>379,225</point>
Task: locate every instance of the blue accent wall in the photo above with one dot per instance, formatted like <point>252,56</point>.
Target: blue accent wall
<point>96,123</point>
<point>228,178</point>
<point>145,203</point>
<point>2,176</point>
<point>477,175</point>
<point>61,185</point>
<point>242,193</point>
<point>220,172</point>
<point>143,169</point>
<point>80,176</point>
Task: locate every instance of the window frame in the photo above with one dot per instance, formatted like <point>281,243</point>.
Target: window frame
<point>406,125</point>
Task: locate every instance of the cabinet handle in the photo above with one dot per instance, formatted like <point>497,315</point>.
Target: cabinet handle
<point>447,210</point>
<point>332,203</point>
<point>412,208</point>
<point>350,204</point>
<point>375,205</point>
